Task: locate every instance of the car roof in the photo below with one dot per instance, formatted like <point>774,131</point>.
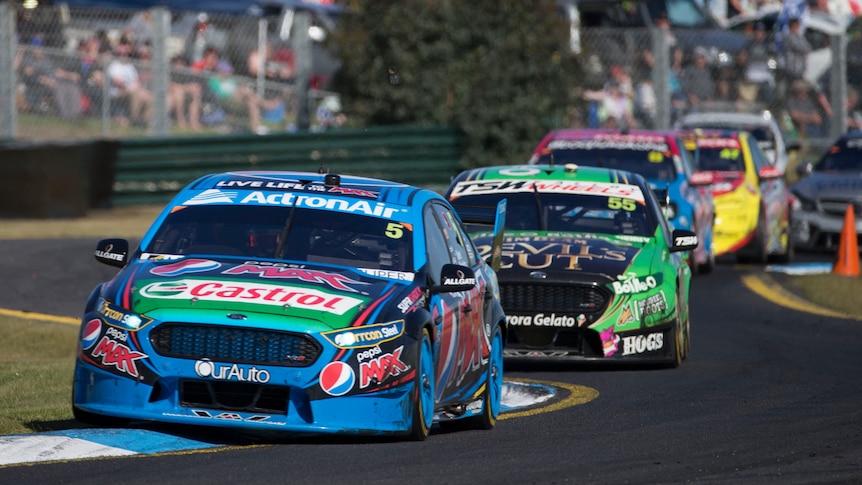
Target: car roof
<point>645,137</point>
<point>328,184</point>
<point>715,135</point>
<point>577,133</point>
<point>569,171</point>
<point>726,118</point>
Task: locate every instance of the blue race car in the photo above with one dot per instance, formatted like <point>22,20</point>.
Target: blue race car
<point>295,302</point>
<point>661,158</point>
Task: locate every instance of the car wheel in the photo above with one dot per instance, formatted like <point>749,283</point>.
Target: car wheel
<point>493,386</point>
<point>423,390</point>
<point>96,419</point>
<point>680,334</point>
<point>709,265</point>
<point>756,251</point>
<point>790,246</point>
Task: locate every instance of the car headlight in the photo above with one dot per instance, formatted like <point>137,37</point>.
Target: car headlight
<point>120,317</point>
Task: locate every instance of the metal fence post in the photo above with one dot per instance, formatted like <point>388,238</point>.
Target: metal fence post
<point>262,27</point>
<point>302,47</point>
<point>838,86</point>
<point>160,65</point>
<point>661,78</point>
<point>8,78</point>
<point>106,100</point>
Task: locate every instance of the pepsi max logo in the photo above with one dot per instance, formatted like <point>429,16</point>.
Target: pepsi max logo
<point>91,333</point>
<point>337,378</point>
<point>185,267</point>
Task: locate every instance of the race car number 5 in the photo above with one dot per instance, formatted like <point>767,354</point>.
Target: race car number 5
<point>394,230</point>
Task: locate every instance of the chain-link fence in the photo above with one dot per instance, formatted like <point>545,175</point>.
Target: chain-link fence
<point>651,78</point>
<point>84,72</point>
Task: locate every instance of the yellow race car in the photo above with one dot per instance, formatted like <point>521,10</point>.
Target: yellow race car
<point>753,205</point>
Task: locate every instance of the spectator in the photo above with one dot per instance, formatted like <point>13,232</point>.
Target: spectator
<point>92,74</point>
<point>49,85</point>
<point>278,66</point>
<point>616,109</point>
<point>139,30</point>
<point>623,80</point>
<point>236,97</point>
<point>678,102</point>
<point>329,114</point>
<point>199,39</point>
<point>795,51</point>
<point>276,69</point>
<point>697,80</point>
<point>208,61</point>
<point>645,101</point>
<point>755,59</point>
<point>662,22</point>
<point>803,111</point>
<point>126,87</point>
<point>184,95</point>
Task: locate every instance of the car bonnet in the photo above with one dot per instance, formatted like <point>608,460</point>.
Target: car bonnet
<point>333,296</point>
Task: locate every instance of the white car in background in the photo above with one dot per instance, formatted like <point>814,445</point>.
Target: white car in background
<point>763,126</point>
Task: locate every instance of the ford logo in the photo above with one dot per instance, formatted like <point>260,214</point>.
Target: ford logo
<point>539,275</point>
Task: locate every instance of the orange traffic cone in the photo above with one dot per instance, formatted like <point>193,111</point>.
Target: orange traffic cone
<point>847,259</point>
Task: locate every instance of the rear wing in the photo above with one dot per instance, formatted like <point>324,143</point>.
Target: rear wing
<point>487,216</point>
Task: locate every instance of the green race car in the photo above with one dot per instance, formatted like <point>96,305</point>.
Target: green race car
<point>590,269</point>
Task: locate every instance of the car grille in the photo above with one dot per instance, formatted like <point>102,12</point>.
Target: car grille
<point>234,396</point>
<point>570,298</point>
<point>235,344</point>
<point>838,207</point>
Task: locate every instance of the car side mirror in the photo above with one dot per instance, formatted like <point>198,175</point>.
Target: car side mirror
<point>701,178</point>
<point>113,252</point>
<point>683,240</point>
<point>770,172</point>
<point>455,278</point>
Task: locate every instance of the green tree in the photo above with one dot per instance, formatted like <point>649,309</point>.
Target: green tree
<point>500,70</point>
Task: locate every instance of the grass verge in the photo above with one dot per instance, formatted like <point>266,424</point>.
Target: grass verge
<point>37,360</point>
<point>835,292</point>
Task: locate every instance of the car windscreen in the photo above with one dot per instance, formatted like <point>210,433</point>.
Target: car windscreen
<point>284,233</point>
<point>762,134</point>
<point>842,158</point>
<point>719,159</point>
<point>567,212</point>
<point>652,164</point>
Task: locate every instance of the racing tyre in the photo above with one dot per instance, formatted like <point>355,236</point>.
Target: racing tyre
<point>493,387</point>
<point>709,265</point>
<point>680,333</point>
<point>98,419</point>
<point>758,253</point>
<point>789,253</point>
<point>423,390</point>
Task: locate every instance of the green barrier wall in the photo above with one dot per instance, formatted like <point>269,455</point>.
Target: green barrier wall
<point>151,171</point>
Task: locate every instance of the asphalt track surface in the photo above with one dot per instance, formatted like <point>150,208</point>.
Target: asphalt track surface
<point>770,394</point>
